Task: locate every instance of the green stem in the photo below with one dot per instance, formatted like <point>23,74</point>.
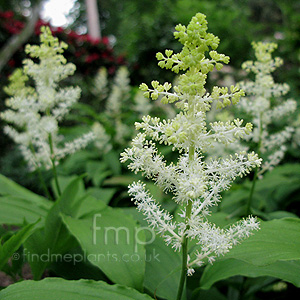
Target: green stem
<point>184,255</point>
<point>40,176</point>
<point>248,205</point>
<point>184,244</point>
<point>43,184</point>
<point>53,164</point>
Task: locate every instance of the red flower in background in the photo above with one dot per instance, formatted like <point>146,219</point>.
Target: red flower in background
<point>92,57</point>
<point>105,40</point>
<point>6,14</point>
<point>88,54</point>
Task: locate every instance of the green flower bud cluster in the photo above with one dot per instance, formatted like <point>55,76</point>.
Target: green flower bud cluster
<point>225,99</point>
<point>50,47</point>
<point>18,85</point>
<point>263,51</point>
<point>264,64</point>
<point>196,41</point>
<point>190,93</point>
<point>159,89</point>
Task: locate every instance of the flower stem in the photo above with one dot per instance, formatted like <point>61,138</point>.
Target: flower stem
<point>184,243</point>
<point>248,205</point>
<point>53,165</point>
<point>184,255</point>
<point>40,174</point>
<point>43,184</point>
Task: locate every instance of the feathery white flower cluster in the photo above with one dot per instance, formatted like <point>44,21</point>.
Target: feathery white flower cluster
<point>102,139</point>
<point>100,88</point>
<point>119,92</point>
<point>115,95</point>
<point>195,183</point>
<point>142,104</point>
<point>265,105</point>
<point>35,112</point>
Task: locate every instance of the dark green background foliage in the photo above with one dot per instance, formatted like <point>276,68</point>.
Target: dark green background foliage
<point>143,28</point>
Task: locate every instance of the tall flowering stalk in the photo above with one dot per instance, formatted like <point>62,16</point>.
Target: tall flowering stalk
<point>267,109</point>
<point>196,184</point>
<point>36,111</point>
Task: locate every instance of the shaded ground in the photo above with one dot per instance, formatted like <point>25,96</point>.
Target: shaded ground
<point>6,280</point>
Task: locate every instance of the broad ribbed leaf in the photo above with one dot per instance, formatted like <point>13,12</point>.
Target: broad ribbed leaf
<point>10,188</point>
<point>285,270</point>
<point>163,267</point>
<point>163,264</point>
<point>60,289</point>
<point>278,239</point>
<point>54,237</point>
<point>19,205</point>
<point>110,242</point>
<point>16,210</point>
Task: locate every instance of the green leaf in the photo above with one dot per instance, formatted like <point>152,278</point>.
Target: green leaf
<point>234,199</point>
<point>277,239</point>
<point>281,214</point>
<point>15,242</point>
<point>34,248</point>
<point>279,186</point>
<point>103,194</point>
<point>17,210</point>
<point>43,242</point>
<point>221,219</point>
<point>73,266</point>
<point>89,206</point>
<point>110,242</point>
<point>163,266</point>
<point>75,163</point>
<point>54,238</point>
<point>57,288</point>
<point>10,188</point>
<point>112,159</point>
<point>73,193</point>
<point>65,181</point>
<point>97,171</point>
<point>285,270</point>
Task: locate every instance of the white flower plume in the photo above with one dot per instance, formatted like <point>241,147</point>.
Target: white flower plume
<point>195,183</point>
<point>35,112</point>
